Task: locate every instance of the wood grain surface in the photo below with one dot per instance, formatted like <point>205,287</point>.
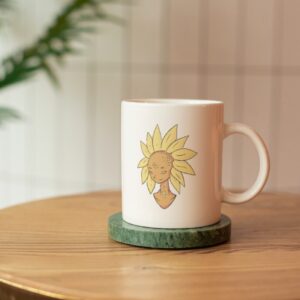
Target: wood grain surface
<point>59,248</point>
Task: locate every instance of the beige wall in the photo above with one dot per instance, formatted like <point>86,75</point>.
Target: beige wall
<point>245,52</point>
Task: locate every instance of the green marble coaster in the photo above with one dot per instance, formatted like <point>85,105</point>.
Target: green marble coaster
<point>126,233</point>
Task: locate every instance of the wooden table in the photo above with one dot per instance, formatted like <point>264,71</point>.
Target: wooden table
<point>59,248</point>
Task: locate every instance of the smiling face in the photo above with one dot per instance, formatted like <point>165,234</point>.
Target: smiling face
<point>160,165</point>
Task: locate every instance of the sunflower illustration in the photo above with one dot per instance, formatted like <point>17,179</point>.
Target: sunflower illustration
<point>165,159</point>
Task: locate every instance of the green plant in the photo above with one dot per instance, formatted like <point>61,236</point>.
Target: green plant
<point>4,4</point>
<point>77,18</point>
<point>4,7</point>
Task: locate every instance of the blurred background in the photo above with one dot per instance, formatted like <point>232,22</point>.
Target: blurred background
<point>244,52</point>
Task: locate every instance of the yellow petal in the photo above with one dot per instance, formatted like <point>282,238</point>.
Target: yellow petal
<point>145,174</point>
<point>183,154</point>
<point>150,184</point>
<point>145,150</point>
<point>183,167</point>
<point>178,175</point>
<point>176,184</point>
<point>143,162</point>
<point>178,144</point>
<point>150,143</point>
<point>156,139</point>
<point>169,138</point>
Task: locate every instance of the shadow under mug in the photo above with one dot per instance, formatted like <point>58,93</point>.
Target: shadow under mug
<point>172,162</point>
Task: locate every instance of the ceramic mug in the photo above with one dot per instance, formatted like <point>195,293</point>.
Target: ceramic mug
<point>172,162</point>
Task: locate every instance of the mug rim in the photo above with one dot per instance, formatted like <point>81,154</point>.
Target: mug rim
<point>173,101</point>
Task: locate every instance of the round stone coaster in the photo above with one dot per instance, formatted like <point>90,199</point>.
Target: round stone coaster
<point>126,233</point>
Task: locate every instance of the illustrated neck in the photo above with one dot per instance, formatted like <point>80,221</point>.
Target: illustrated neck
<point>164,186</point>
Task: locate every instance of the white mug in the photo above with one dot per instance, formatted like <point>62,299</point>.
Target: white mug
<point>172,162</point>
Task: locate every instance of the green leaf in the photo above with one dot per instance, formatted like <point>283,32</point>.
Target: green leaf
<point>51,74</point>
<point>5,4</point>
<point>77,19</point>
<point>8,114</point>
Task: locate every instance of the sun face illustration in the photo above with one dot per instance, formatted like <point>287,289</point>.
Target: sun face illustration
<point>165,159</point>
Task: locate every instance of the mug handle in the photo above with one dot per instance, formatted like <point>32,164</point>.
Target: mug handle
<point>264,164</point>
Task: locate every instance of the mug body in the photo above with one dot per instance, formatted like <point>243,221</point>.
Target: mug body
<point>171,162</point>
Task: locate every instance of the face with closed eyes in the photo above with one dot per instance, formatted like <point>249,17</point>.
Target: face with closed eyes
<point>160,165</point>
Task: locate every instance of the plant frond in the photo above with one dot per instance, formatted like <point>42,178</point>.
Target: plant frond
<point>77,18</point>
<point>7,114</point>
